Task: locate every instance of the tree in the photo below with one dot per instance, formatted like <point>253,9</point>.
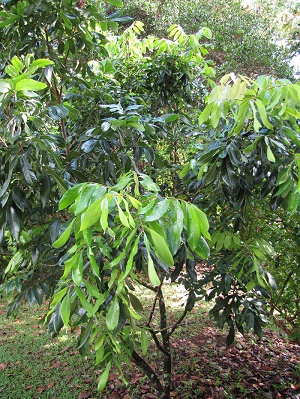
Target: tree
<point>245,38</point>
<point>96,200</point>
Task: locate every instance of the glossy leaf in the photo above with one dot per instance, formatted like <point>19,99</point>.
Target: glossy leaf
<point>65,310</point>
<point>113,314</point>
<point>161,248</point>
<point>104,377</point>
<point>64,236</point>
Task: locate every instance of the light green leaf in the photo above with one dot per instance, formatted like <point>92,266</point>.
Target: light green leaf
<point>144,342</point>
<point>270,154</point>
<point>293,112</point>
<point>158,211</point>
<point>122,216</point>
<point>65,309</point>
<point>86,194</point>
<point>116,3</point>
<point>149,184</point>
<point>70,196</point>
<point>250,285</point>
<point>104,378</point>
<point>113,314</point>
<point>69,264</point>
<point>185,170</point>
<point>193,227</point>
<point>84,302</point>
<point>30,85</point>
<point>64,236</point>
<point>41,63</point>
<point>77,269</point>
<point>202,220</point>
<point>17,63</point>
<point>160,247</point>
<point>263,114</point>
<point>91,215</point>
<point>204,116</point>
<point>177,222</point>
<point>153,277</point>
<point>202,248</point>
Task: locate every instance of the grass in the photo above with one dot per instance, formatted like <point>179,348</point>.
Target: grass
<point>36,366</point>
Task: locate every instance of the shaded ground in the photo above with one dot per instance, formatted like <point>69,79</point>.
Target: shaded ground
<point>34,366</point>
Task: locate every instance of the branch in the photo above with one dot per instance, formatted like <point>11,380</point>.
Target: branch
<point>281,291</point>
<point>153,306</point>
<point>150,373</point>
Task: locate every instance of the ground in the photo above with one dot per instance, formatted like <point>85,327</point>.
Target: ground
<point>32,365</point>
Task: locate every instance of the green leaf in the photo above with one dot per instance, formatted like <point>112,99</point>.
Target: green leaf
<point>263,115</point>
<point>135,302</point>
<point>158,211</point>
<point>14,223</point>
<point>202,249</point>
<point>185,170</point>
<point>17,63</point>
<point>116,3</point>
<point>41,63</point>
<point>149,184</point>
<point>8,21</point>
<point>293,112</point>
<point>177,222</point>
<point>104,376</point>
<point>85,303</point>
<point>30,85</point>
<point>91,215</point>
<point>270,154</point>
<point>204,116</point>
<point>193,227</point>
<point>113,314</point>
<point>104,214</point>
<point>144,342</point>
<point>294,200</point>
<point>64,236</point>
<point>153,277</point>
<point>160,247</point>
<point>250,285</point>
<point>206,32</point>
<point>65,309</point>
<point>86,194</point>
<point>202,220</point>
<point>122,216</point>
<point>70,196</point>
<point>77,269</point>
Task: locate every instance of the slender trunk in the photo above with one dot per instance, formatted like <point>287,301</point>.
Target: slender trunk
<point>273,306</point>
<point>167,367</point>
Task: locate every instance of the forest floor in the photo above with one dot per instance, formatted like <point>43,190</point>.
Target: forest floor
<point>33,365</point>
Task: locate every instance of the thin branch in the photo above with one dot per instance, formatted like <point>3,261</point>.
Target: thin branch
<point>281,291</point>
<point>143,365</point>
<point>153,306</point>
<point>178,322</point>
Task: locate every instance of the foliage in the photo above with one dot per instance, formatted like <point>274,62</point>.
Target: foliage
<point>243,38</point>
<point>249,162</point>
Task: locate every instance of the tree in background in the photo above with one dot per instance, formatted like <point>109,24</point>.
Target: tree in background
<point>245,39</point>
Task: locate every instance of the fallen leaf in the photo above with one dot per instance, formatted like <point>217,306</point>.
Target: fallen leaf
<point>51,385</point>
<point>2,366</point>
<point>55,365</point>
<point>84,395</point>
<point>41,389</point>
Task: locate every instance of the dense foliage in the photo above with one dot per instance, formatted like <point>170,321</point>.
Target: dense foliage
<point>247,37</point>
<point>123,164</point>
